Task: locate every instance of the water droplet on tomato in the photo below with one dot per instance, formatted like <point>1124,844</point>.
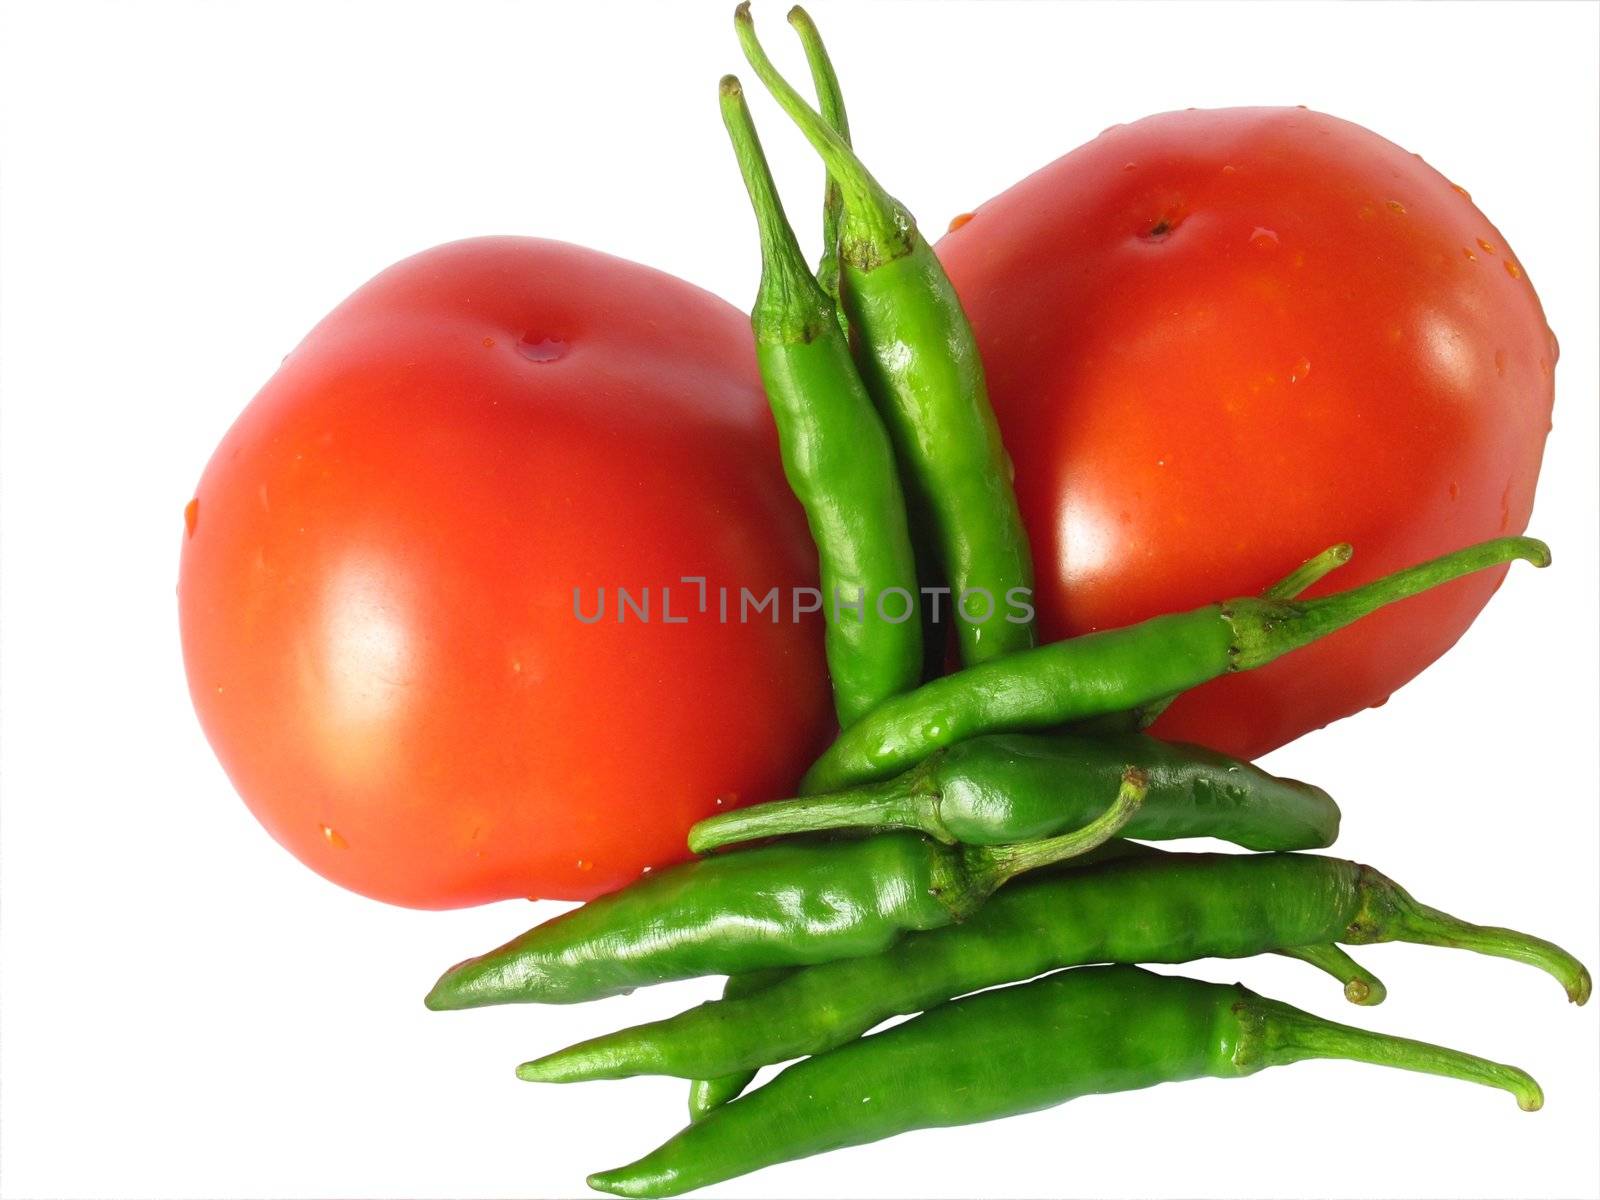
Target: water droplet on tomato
<point>727,798</point>
<point>957,221</point>
<point>1486,247</point>
<point>333,838</point>
<point>1499,362</point>
<point>488,343</point>
<point>1513,270</point>
<point>1300,370</point>
<point>191,516</point>
<point>1455,491</point>
<point>541,349</point>
<point>1229,169</point>
<point>1396,206</point>
<point>1265,239</point>
<point>1129,166</point>
<point>1471,257</point>
<point>585,865</point>
<point>1456,187</point>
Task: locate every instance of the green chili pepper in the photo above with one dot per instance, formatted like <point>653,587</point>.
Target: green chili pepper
<point>920,362</point>
<point>836,454</point>
<point>781,905</point>
<point>1087,1031</point>
<point>1360,985</point>
<point>1011,787</point>
<point>1120,669</point>
<point>708,1094</point>
<point>1165,908</point>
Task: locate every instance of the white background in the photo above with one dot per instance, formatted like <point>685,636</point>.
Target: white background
<point>188,187</point>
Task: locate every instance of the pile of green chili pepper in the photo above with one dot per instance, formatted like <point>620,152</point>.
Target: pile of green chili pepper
<point>885,888</point>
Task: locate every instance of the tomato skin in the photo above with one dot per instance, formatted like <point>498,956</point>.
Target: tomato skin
<point>376,593</point>
<point>1218,342</point>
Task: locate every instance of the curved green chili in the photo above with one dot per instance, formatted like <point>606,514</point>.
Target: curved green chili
<point>781,905</point>
<point>1011,787</point>
<point>1087,1031</point>
<point>1163,908</point>
<point>836,454</point>
<point>1120,669</point>
<point>920,362</point>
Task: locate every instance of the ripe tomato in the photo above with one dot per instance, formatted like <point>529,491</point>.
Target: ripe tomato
<point>377,589</point>
<point>1218,342</point>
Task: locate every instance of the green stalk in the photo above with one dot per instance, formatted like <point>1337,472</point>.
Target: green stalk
<point>908,801</point>
<point>875,228</point>
<point>1275,1034</point>
<point>1267,629</point>
<point>1414,922</point>
<point>1309,573</point>
<point>990,867</point>
<point>830,100</point>
<point>790,306</point>
<point>1361,986</point>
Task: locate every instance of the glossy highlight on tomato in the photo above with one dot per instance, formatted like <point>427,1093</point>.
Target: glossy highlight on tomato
<point>378,573</point>
<point>1219,341</point>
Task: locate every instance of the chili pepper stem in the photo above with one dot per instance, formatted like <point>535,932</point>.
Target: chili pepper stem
<point>1360,985</point>
<point>1310,572</point>
<point>1266,629</point>
<point>1274,1034</point>
<point>988,868</point>
<point>790,306</point>
<point>1430,927</point>
<point>876,227</point>
<point>909,801</point>
<point>830,102</point>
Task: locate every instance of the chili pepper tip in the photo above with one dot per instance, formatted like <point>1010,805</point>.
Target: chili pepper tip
<point>620,1182</point>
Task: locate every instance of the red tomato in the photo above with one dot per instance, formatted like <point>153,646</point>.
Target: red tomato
<point>1218,342</point>
<point>377,589</point>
